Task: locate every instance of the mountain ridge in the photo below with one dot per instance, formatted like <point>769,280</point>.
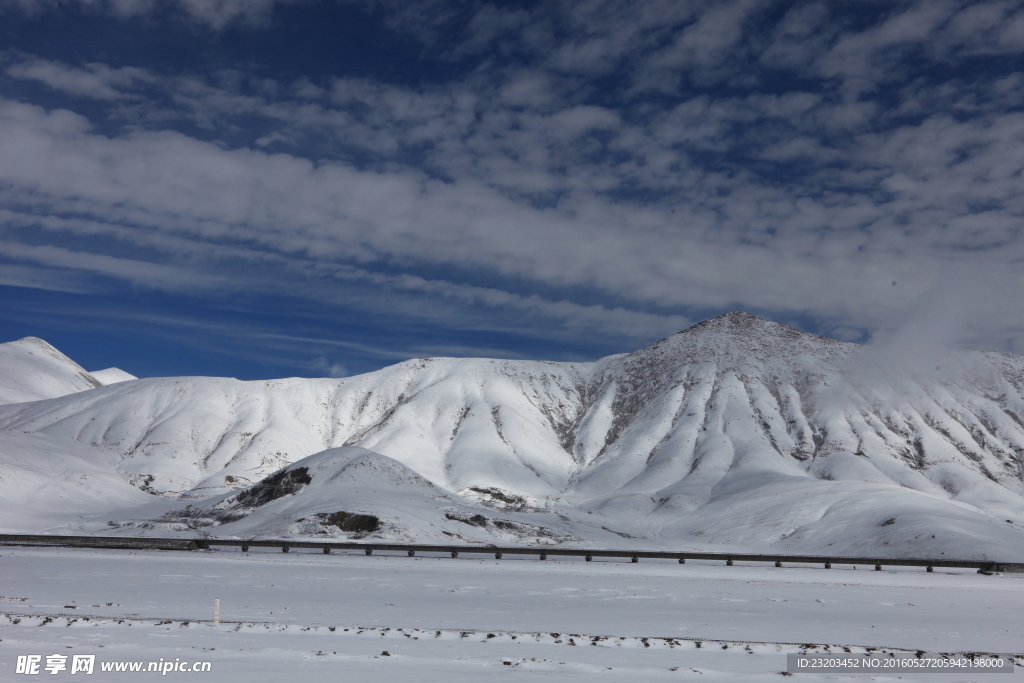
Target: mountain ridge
<point>663,444</point>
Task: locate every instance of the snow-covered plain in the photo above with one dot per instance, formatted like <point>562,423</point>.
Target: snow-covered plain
<point>737,433</point>
<point>458,620</point>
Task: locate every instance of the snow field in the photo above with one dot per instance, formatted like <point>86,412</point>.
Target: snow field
<point>434,615</point>
<point>258,652</point>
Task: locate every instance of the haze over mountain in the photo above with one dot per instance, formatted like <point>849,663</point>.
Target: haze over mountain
<point>736,432</point>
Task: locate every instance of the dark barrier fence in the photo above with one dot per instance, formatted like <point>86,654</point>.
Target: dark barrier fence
<point>543,552</point>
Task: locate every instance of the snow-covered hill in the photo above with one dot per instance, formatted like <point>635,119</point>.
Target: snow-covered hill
<point>736,432</point>
<point>31,370</point>
<point>356,492</point>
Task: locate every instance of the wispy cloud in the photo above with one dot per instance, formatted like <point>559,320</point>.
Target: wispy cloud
<point>97,81</point>
<point>216,14</point>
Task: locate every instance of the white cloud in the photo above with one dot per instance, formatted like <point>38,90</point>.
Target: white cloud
<point>703,256</point>
<point>144,273</point>
<point>97,81</point>
<point>528,90</point>
<point>582,119</point>
<point>216,14</point>
<point>706,41</point>
<point>810,199</point>
<point>862,54</point>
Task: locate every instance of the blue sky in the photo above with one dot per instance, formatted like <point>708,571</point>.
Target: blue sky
<point>262,188</point>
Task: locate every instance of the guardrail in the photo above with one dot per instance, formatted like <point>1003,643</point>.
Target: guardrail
<point>543,552</point>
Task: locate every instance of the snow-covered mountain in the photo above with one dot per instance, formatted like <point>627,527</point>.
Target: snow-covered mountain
<point>112,376</point>
<point>737,432</point>
<point>31,370</point>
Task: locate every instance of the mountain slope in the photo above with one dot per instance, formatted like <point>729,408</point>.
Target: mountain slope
<point>739,394</point>
<point>460,423</point>
<point>48,485</point>
<point>737,431</point>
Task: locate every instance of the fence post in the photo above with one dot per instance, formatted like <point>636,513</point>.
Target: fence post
<point>216,612</point>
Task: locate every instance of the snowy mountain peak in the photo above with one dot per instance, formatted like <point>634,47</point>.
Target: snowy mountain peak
<point>39,345</point>
<point>731,319</point>
<point>739,339</point>
<point>110,376</point>
<point>32,369</point>
<point>748,330</point>
<point>743,324</point>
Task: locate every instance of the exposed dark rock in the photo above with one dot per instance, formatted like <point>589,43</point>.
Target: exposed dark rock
<point>275,486</point>
<point>143,482</point>
<point>350,521</point>
<point>503,499</point>
<point>475,520</point>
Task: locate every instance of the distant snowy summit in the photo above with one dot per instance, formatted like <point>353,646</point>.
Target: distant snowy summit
<point>112,376</point>
<point>736,432</point>
<point>32,370</point>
